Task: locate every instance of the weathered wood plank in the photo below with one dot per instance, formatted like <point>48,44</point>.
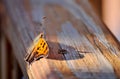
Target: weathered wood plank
<point>71,25</point>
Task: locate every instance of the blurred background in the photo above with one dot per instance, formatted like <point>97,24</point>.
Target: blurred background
<point>107,10</point>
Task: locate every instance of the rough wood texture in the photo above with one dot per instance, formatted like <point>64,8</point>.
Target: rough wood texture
<point>93,52</point>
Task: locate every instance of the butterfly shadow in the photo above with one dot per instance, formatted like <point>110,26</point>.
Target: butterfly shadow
<point>58,51</point>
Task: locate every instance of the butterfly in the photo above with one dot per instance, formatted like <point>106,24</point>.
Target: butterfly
<point>39,50</point>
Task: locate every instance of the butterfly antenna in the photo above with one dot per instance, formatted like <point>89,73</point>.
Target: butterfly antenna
<point>43,27</point>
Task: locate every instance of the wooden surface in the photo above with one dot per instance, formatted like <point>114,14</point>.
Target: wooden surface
<point>73,25</point>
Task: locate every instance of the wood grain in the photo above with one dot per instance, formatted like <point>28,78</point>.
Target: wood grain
<point>92,50</point>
